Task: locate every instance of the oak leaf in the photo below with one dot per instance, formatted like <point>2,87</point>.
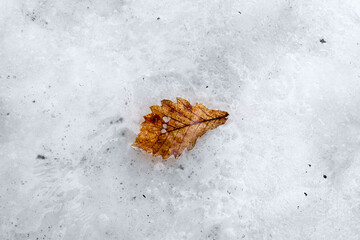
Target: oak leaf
<point>172,127</point>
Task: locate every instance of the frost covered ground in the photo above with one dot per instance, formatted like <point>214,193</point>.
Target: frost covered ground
<point>76,77</point>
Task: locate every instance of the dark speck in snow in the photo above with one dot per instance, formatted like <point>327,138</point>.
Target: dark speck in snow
<point>8,114</point>
<point>309,165</point>
<point>181,167</point>
<point>144,196</point>
<point>123,133</point>
<point>207,86</point>
<point>239,12</point>
<point>324,176</point>
<point>119,120</point>
<point>158,18</point>
<point>305,194</point>
<point>34,101</point>
<point>322,41</point>
<point>39,156</point>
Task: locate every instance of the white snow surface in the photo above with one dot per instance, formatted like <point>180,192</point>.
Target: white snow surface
<point>77,77</point>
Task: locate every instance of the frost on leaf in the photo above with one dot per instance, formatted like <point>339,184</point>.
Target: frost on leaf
<point>172,127</point>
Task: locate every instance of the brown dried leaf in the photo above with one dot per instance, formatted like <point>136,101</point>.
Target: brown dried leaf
<point>172,127</point>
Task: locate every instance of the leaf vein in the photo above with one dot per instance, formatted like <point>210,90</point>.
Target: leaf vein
<point>178,112</point>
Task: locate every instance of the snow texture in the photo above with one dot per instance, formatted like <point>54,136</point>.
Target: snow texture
<point>76,77</point>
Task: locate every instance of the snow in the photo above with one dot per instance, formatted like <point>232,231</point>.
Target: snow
<point>77,77</point>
